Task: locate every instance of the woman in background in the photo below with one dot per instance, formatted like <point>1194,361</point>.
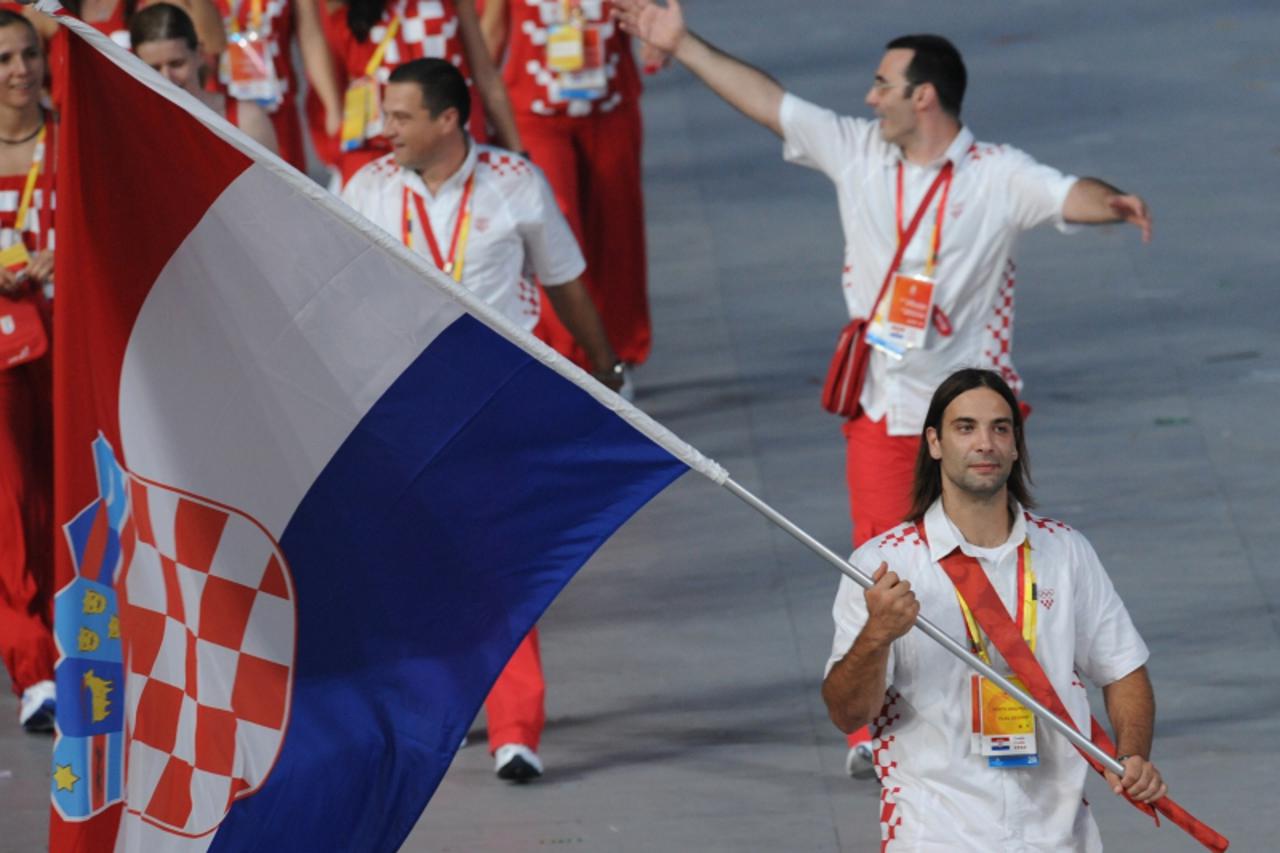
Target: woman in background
<point>164,37</point>
<point>26,412</point>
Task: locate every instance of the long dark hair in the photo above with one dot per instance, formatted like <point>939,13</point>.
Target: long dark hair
<point>363,15</point>
<point>927,485</point>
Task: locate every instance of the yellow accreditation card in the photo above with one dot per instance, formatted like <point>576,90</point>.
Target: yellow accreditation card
<point>566,46</point>
<point>1005,730</point>
<point>361,113</point>
<point>15,258</point>
<point>362,103</point>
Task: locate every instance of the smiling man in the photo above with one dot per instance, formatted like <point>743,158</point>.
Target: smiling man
<point>949,780</point>
<point>484,216</point>
<point>916,176</point>
<point>487,218</point>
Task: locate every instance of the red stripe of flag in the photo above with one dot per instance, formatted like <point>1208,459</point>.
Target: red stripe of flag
<point>119,222</point>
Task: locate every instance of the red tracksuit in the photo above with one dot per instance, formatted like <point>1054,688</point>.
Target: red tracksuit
<point>26,478</point>
<point>589,150</point>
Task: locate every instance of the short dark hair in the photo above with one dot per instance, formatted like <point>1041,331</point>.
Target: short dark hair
<point>936,61</point>
<point>162,22</point>
<point>927,485</point>
<point>442,85</point>
<point>9,18</point>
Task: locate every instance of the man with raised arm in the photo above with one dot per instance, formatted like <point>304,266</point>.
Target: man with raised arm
<point>913,175</point>
<point>962,765</point>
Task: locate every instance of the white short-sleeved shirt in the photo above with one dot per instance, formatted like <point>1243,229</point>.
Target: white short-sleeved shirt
<point>517,231</point>
<point>996,192</point>
<point>937,794</point>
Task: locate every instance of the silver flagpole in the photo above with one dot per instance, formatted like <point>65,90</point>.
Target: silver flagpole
<point>853,573</point>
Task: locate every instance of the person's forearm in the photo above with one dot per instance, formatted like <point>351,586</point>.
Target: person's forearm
<point>573,306</point>
<point>493,26</point>
<point>744,87</point>
<point>46,26</point>
<point>1089,202</point>
<point>316,58</point>
<point>1131,707</point>
<point>208,24</point>
<point>854,689</point>
<point>497,104</point>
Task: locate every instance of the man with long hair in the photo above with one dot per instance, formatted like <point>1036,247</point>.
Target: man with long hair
<point>948,781</point>
<point>931,217</point>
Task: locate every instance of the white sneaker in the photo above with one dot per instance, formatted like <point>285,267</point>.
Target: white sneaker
<point>39,701</point>
<point>860,763</point>
<point>515,762</point>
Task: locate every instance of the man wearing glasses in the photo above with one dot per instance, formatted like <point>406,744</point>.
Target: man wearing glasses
<point>930,219</point>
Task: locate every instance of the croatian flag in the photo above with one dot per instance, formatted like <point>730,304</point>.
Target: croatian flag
<point>311,494</point>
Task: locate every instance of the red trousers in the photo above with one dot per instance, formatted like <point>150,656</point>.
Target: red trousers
<point>879,469</point>
<point>593,166</point>
<point>26,529</point>
<point>515,704</point>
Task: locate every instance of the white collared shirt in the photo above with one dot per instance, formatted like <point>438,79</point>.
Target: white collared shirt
<point>937,794</point>
<point>996,192</point>
<point>516,232</point>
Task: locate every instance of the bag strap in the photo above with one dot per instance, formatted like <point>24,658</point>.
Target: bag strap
<point>906,236</point>
<point>990,613</point>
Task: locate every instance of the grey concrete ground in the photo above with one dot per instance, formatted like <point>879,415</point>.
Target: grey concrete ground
<point>683,664</point>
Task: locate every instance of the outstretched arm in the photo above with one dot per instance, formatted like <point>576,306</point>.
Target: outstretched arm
<point>1131,707</point>
<point>748,89</point>
<point>1092,201</point>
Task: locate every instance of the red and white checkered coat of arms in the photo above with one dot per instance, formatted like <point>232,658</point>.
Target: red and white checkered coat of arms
<point>208,617</point>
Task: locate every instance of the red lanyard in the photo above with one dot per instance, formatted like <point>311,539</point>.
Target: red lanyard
<point>944,180</point>
<point>457,242</point>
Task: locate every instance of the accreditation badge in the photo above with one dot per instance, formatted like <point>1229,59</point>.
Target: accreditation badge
<point>248,72</point>
<point>590,81</point>
<point>566,44</point>
<point>902,319</point>
<point>1004,730</point>
<point>15,258</point>
<point>361,113</point>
